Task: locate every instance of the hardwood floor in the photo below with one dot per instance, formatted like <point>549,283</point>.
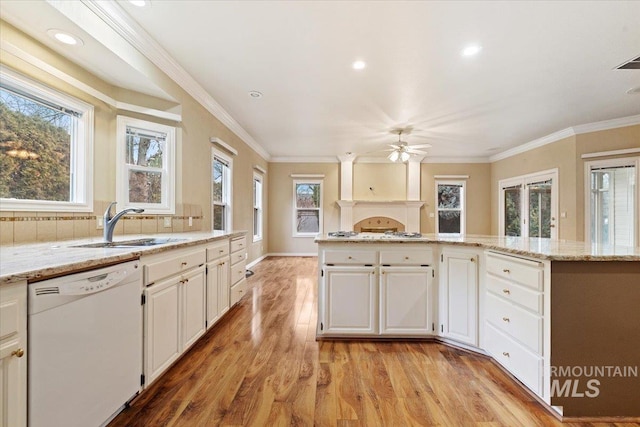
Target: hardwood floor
<point>261,366</point>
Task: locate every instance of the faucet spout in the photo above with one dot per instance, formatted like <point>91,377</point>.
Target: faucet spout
<point>110,221</point>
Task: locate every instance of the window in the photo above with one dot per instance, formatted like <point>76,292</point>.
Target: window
<point>46,150</point>
<point>257,207</point>
<point>307,215</point>
<point>611,211</point>
<point>450,205</point>
<point>146,177</point>
<point>528,205</point>
<point>221,189</point>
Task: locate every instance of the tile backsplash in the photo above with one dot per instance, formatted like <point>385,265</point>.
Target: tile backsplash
<point>28,227</point>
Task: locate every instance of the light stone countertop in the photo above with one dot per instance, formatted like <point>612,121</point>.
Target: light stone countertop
<point>545,249</point>
<point>35,261</point>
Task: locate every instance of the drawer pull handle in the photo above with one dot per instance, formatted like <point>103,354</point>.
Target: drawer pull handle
<point>406,257</point>
<point>18,353</point>
<point>505,354</point>
<point>506,291</point>
<point>506,319</point>
<point>221,250</point>
<point>506,270</point>
<point>183,263</point>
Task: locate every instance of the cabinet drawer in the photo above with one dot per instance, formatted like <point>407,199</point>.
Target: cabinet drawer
<point>168,267</point>
<point>237,257</point>
<point>238,244</point>
<point>350,257</point>
<point>9,318</point>
<point>238,291</point>
<point>238,271</point>
<point>528,273</point>
<point>520,324</point>
<point>406,257</point>
<point>526,297</point>
<point>218,250</point>
<point>523,364</point>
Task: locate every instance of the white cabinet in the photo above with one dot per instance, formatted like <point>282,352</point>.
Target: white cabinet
<point>238,270</point>
<point>350,300</point>
<point>217,281</point>
<point>175,307</point>
<point>405,300</point>
<point>459,296</point>
<point>13,357</point>
<point>514,317</point>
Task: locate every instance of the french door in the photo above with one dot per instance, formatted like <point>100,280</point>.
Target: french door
<point>529,205</point>
<point>612,202</point>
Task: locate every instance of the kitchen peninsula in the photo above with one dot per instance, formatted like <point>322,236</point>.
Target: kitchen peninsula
<point>542,309</point>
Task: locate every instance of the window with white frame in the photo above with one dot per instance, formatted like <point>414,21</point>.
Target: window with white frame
<point>146,166</point>
<point>307,208</point>
<point>257,207</point>
<point>46,151</point>
<point>450,206</point>
<point>221,191</point>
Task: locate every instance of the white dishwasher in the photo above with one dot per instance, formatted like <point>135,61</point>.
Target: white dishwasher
<point>85,346</point>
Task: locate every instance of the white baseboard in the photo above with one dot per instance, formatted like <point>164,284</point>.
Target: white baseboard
<point>293,254</point>
<point>257,260</point>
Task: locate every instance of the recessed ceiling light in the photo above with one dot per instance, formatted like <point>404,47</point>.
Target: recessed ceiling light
<point>471,50</point>
<point>255,94</point>
<point>64,37</point>
<point>138,3</point>
<point>359,65</point>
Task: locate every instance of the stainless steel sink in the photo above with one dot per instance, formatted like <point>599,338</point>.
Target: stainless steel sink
<point>131,243</point>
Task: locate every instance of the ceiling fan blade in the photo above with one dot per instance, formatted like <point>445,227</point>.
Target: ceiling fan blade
<point>394,146</point>
<point>411,151</point>
<point>421,146</point>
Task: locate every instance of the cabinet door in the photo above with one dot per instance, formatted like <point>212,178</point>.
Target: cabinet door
<point>460,297</point>
<point>350,300</point>
<point>405,300</point>
<point>217,290</point>
<point>162,336</point>
<point>193,306</point>
<point>13,357</point>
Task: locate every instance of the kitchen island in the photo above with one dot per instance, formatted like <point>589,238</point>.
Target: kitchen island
<point>554,314</point>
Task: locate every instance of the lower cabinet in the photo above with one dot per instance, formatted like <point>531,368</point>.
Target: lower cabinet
<point>217,290</point>
<point>405,301</point>
<point>13,355</point>
<point>175,314</point>
<point>350,300</point>
<point>459,296</point>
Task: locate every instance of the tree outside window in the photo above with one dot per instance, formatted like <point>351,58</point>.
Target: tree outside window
<point>308,208</point>
<point>450,207</point>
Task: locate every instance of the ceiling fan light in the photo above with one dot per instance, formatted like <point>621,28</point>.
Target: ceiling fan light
<point>404,156</point>
<point>394,156</point>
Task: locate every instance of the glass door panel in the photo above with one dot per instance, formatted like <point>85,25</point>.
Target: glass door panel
<point>540,219</point>
<point>613,205</point>
<point>512,210</point>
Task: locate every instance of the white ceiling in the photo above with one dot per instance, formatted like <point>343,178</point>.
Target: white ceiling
<point>544,66</point>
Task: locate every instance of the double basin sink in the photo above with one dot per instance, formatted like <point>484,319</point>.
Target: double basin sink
<point>131,243</point>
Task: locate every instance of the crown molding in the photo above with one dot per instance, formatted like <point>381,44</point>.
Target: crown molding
<point>116,18</point>
<point>320,159</point>
<point>568,132</point>
<point>456,160</point>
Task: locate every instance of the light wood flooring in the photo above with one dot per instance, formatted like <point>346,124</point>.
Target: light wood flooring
<point>261,366</point>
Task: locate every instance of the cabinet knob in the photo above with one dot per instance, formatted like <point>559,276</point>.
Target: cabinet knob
<point>506,270</point>
<point>406,257</point>
<point>505,354</point>
<point>349,258</point>
<point>221,250</point>
<point>506,319</point>
<point>473,260</point>
<point>506,291</point>
<point>18,353</point>
<point>183,263</point>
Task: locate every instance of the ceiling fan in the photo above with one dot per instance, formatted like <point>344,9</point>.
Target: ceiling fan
<point>402,151</point>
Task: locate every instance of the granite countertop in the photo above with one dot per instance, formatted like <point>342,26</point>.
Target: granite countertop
<point>545,249</point>
<point>40,260</point>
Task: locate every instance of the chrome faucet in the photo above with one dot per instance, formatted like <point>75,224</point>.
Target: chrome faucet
<point>110,221</point>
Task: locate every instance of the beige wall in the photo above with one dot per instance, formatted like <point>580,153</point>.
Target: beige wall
<point>478,187</point>
<point>560,155</point>
<point>280,196</point>
<point>193,188</point>
<point>388,181</point>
